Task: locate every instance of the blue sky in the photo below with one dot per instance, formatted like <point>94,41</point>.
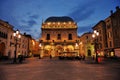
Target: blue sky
<point>27,15</point>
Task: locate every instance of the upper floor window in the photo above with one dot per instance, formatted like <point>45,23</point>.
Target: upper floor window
<point>48,37</point>
<point>3,35</point>
<point>59,37</point>
<point>86,37</point>
<point>100,38</point>
<point>110,43</point>
<point>109,34</point>
<point>100,46</point>
<point>69,36</point>
<point>100,31</point>
<point>11,37</point>
<point>108,26</point>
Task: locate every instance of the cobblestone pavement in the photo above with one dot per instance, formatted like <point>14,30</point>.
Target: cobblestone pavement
<point>54,69</point>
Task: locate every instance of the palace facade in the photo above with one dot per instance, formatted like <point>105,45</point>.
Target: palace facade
<point>59,34</point>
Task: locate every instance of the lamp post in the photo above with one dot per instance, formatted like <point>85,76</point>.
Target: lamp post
<point>80,48</point>
<point>95,35</point>
<point>77,48</point>
<point>41,48</point>
<point>17,36</point>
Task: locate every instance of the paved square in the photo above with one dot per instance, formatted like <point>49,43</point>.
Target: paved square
<point>54,69</point>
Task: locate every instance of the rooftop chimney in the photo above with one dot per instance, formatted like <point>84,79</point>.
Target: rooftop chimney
<point>24,33</point>
<point>111,12</point>
<point>117,8</point>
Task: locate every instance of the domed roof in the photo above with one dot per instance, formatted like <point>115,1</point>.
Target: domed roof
<point>59,19</point>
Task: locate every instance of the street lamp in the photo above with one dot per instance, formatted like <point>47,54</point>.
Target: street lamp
<point>41,48</point>
<point>17,36</point>
<point>77,48</point>
<point>95,35</point>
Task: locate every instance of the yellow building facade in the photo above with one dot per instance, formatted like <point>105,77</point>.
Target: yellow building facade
<point>59,34</point>
<point>85,46</point>
<point>6,48</point>
<point>7,42</point>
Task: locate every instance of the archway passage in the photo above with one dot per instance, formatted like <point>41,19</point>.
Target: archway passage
<point>70,48</point>
<point>89,52</point>
<point>58,50</point>
<point>2,49</point>
<point>47,50</point>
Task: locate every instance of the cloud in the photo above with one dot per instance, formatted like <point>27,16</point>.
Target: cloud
<point>83,29</point>
<point>82,12</point>
<point>31,22</point>
<point>24,28</point>
<point>29,26</point>
<point>37,33</point>
<point>34,16</point>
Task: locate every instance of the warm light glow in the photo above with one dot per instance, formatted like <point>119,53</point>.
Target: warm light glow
<point>93,35</point>
<point>76,44</point>
<point>41,55</point>
<point>40,45</point>
<point>17,32</point>
<point>69,22</point>
<point>95,31</point>
<point>14,34</point>
<point>112,53</point>
<point>58,23</point>
<point>48,23</point>
<point>33,42</point>
<point>19,36</point>
<point>80,43</point>
<point>99,54</point>
<point>64,23</point>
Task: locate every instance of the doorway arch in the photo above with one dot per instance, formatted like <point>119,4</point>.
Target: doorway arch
<point>2,49</point>
<point>47,50</point>
<point>70,48</point>
<point>58,50</point>
<point>89,52</point>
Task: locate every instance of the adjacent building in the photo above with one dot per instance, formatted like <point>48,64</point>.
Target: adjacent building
<point>113,32</point>
<point>85,45</point>
<point>109,34</point>
<point>101,39</point>
<point>6,31</point>
<point>7,42</point>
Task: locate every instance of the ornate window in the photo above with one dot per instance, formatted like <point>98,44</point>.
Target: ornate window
<point>69,36</point>
<point>59,37</point>
<point>48,37</point>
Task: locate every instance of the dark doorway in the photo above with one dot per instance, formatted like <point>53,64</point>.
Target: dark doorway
<point>2,49</point>
<point>89,52</point>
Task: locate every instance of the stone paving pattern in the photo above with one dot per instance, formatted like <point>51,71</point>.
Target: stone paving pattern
<point>55,69</point>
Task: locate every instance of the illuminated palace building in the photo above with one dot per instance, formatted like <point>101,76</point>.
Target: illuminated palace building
<point>59,34</point>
